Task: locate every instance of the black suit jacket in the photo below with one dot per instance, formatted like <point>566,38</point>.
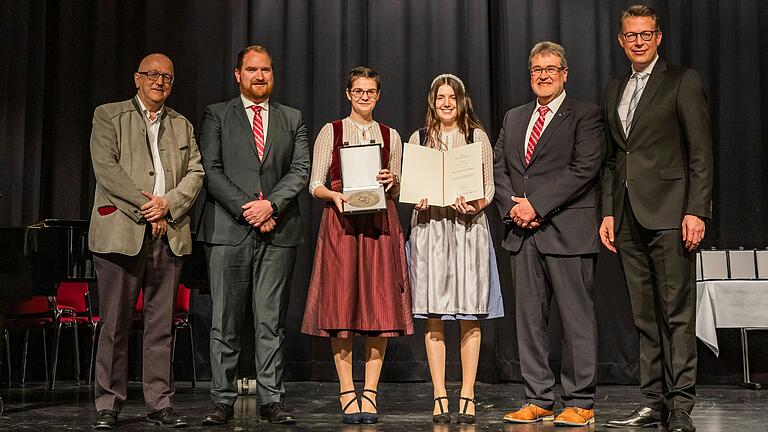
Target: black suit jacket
<point>561,180</point>
<point>234,175</point>
<point>665,164</point>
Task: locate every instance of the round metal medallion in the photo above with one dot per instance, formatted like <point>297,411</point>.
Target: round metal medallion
<point>363,199</point>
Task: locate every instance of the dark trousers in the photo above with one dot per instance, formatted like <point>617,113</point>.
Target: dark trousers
<point>660,276</point>
<point>156,270</point>
<point>252,274</point>
<point>569,278</point>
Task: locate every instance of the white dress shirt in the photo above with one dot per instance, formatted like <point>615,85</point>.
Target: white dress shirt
<point>627,95</point>
<point>264,115</point>
<point>153,130</point>
<point>553,106</point>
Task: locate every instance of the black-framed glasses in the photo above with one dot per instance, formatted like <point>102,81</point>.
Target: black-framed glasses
<point>357,93</point>
<point>644,35</point>
<point>551,70</point>
<point>153,76</point>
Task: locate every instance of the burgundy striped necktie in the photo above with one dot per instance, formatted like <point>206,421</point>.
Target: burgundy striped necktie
<point>535,133</point>
<point>258,131</point>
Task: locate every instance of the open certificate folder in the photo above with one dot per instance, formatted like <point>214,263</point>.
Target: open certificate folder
<point>441,176</point>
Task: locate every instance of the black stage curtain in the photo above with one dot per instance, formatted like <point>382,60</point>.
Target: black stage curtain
<point>60,59</point>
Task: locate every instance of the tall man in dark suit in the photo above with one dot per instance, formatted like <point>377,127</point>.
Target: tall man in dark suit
<point>148,174</point>
<point>256,155</point>
<point>546,163</point>
<point>657,192</point>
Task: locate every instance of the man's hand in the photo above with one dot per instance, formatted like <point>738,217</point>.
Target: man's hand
<point>154,209</point>
<point>159,228</point>
<point>386,179</point>
<point>268,225</point>
<point>693,231</point>
<point>523,214</point>
<point>606,233</point>
<point>257,212</point>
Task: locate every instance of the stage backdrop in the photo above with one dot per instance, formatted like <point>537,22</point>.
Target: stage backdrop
<point>60,59</point>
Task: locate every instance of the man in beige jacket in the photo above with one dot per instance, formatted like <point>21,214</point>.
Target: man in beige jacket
<point>148,174</point>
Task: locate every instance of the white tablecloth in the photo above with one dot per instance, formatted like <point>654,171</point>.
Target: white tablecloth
<point>729,304</point>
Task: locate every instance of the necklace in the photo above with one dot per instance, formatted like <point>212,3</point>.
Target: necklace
<point>362,130</point>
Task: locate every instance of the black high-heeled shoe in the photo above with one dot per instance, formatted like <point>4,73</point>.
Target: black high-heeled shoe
<point>366,417</point>
<point>353,418</point>
<point>444,416</point>
<point>463,417</point>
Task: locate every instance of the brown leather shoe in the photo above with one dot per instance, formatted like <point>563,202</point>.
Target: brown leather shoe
<point>529,413</point>
<point>575,416</point>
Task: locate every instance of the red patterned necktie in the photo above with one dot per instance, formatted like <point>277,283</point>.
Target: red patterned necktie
<point>535,133</point>
<point>258,130</point>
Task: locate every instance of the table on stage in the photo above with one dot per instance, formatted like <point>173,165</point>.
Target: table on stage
<point>738,304</point>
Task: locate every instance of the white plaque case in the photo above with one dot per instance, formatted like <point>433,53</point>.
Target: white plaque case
<point>360,164</point>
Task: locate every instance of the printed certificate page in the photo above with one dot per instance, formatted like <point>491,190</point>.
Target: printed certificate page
<point>464,173</point>
<point>422,175</point>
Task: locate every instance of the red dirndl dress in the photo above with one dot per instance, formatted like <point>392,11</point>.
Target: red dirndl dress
<point>359,282</point>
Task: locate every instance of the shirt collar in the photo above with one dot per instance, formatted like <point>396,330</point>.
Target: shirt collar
<point>247,103</point>
<point>145,111</point>
<point>647,69</point>
<point>554,104</point>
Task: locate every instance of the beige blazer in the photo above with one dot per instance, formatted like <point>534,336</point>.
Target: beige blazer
<point>122,164</point>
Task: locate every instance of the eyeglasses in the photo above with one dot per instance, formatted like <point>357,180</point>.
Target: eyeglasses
<point>632,36</point>
<point>551,70</point>
<point>357,93</point>
<point>153,76</point>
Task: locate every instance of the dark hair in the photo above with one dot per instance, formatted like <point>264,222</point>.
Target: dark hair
<point>640,11</point>
<point>251,48</point>
<point>465,113</point>
<point>362,72</point>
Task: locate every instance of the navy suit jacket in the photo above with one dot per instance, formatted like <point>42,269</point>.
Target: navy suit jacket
<point>561,180</point>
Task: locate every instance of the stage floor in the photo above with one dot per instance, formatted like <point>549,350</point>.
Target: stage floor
<point>403,407</point>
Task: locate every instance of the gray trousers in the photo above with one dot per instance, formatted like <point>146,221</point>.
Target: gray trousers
<point>569,279</point>
<point>661,277</point>
<point>157,270</point>
<point>255,274</point>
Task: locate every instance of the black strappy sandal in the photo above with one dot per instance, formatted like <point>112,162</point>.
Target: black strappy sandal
<point>444,416</point>
<point>366,417</point>
<point>463,417</point>
<point>353,418</point>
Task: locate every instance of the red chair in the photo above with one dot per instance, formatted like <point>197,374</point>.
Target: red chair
<point>181,321</point>
<point>32,314</point>
<point>73,310</point>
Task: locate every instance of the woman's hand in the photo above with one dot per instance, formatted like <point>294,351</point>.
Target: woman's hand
<point>386,179</point>
<point>422,205</point>
<point>469,207</point>
<point>339,199</point>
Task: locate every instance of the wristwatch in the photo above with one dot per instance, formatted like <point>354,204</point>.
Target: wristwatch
<point>275,211</point>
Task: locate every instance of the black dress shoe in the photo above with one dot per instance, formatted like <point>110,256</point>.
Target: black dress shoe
<point>640,418</point>
<point>105,419</point>
<point>218,414</point>
<point>680,421</point>
<point>275,414</point>
<point>166,417</point>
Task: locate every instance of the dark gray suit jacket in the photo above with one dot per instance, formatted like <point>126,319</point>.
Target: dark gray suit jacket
<point>561,180</point>
<point>234,175</point>
<point>665,164</point>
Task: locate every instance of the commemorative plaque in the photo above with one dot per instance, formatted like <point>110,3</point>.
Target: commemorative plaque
<point>360,165</point>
